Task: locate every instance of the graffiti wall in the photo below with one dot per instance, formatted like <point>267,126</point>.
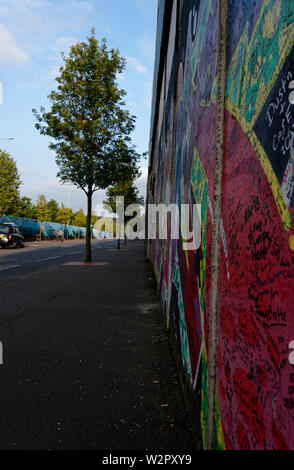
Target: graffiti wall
<point>255,364</point>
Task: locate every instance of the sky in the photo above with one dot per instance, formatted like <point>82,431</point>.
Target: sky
<point>33,33</point>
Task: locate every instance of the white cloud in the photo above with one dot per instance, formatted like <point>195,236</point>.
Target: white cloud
<point>37,182</point>
<point>29,84</point>
<point>120,77</point>
<point>63,43</point>
<point>37,21</point>
<point>52,71</point>
<point>10,51</point>
<point>147,86</point>
<point>147,47</point>
<point>141,182</point>
<point>137,65</point>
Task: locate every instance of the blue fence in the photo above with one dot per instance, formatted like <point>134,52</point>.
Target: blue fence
<point>30,228</point>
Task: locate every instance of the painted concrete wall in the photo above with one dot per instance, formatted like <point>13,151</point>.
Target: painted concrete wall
<point>255,365</point>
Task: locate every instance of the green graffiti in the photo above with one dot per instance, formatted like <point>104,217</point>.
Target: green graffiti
<point>199,187</point>
<point>257,61</point>
<point>182,324</point>
<point>205,13</point>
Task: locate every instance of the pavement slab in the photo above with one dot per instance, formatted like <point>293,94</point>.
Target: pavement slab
<point>87,362</point>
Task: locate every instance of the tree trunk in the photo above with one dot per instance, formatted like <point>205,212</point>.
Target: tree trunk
<point>88,258</point>
<point>40,231</point>
<point>125,239</point>
<point>118,225</point>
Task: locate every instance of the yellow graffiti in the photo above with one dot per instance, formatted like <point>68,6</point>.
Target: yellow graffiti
<point>268,24</point>
<point>291,242</point>
<point>271,21</point>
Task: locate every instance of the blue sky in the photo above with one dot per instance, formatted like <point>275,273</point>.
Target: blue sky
<point>33,33</point>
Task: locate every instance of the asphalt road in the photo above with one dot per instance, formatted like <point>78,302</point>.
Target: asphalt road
<point>86,359</point>
<point>16,263</point>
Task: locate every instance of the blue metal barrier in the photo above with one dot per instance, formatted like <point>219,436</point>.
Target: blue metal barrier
<point>30,228</point>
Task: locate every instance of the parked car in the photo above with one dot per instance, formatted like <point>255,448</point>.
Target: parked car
<point>10,235</point>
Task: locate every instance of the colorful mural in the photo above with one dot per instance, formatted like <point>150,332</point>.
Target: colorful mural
<point>255,366</point>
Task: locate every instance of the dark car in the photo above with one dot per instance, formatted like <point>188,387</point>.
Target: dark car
<point>10,235</point>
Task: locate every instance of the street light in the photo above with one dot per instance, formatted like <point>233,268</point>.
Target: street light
<point>8,138</point>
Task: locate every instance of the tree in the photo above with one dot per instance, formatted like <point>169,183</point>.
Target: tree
<point>125,187</point>
<point>94,219</point>
<point>42,211</point>
<point>80,220</point>
<point>26,208</point>
<point>88,121</point>
<point>9,184</point>
<point>71,216</point>
<point>63,215</point>
<point>53,210</point>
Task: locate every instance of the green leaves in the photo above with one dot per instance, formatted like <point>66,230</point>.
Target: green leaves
<point>64,214</point>
<point>80,218</point>
<point>53,210</point>
<point>125,187</point>
<point>9,185</point>
<point>26,208</point>
<point>42,209</point>
<point>87,120</point>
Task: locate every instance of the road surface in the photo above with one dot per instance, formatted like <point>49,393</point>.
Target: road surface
<point>86,361</point>
<point>16,263</point>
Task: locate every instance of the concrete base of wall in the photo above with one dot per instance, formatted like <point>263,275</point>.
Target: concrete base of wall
<point>192,398</point>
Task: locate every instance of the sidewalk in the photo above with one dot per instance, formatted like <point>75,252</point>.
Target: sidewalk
<point>87,363</point>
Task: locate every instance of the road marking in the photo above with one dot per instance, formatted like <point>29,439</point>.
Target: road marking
<point>10,267</point>
<point>81,263</point>
<point>74,252</point>
<point>46,259</point>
